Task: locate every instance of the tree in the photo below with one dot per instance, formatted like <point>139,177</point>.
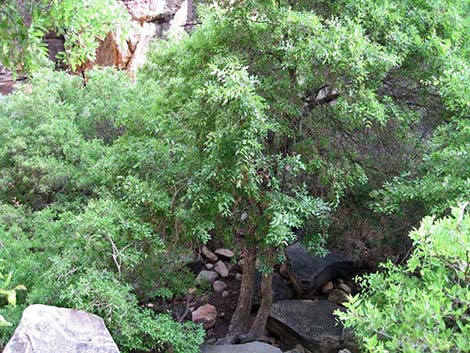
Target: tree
<point>421,306</point>
<point>24,24</point>
<point>258,97</point>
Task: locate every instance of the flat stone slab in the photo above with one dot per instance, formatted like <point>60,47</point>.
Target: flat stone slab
<point>48,329</point>
<point>252,347</point>
<point>310,323</point>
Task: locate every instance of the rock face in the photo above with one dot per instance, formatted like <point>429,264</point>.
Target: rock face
<point>310,323</point>
<point>150,19</point>
<point>308,273</point>
<point>253,347</point>
<point>46,329</point>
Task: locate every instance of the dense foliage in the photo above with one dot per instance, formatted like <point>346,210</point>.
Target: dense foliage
<point>68,218</point>
<point>421,306</point>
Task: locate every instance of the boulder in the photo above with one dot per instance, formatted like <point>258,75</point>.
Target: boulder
<point>208,276</point>
<point>225,254</point>
<point>46,329</point>
<point>221,269</point>
<point>308,273</point>
<point>310,323</point>
<point>205,315</point>
<point>281,291</point>
<point>252,347</point>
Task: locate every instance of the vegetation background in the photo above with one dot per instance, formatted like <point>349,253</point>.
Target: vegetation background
<point>270,122</point>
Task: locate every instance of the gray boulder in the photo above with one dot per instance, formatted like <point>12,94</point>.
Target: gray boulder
<point>48,329</point>
<point>253,347</point>
<point>310,323</point>
<point>308,273</point>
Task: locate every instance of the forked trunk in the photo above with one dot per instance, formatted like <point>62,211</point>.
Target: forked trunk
<point>241,316</point>
<point>257,329</point>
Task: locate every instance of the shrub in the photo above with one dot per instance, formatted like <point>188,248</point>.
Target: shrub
<point>86,225</point>
<point>422,306</point>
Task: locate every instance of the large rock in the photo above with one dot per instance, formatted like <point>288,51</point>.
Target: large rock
<point>281,291</point>
<point>48,329</point>
<point>206,315</point>
<point>253,347</point>
<point>310,323</point>
<point>308,273</point>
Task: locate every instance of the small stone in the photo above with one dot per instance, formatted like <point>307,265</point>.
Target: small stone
<point>209,255</point>
<point>338,296</point>
<point>225,253</point>
<point>208,276</point>
<point>238,277</point>
<point>240,263</point>
<point>344,287</point>
<point>225,294</point>
<point>221,269</point>
<point>192,290</point>
<point>327,288</point>
<point>210,266</point>
<point>344,351</point>
<point>219,286</point>
<point>206,315</point>
<point>150,305</point>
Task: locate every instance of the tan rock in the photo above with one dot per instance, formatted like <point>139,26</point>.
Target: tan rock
<point>209,255</point>
<point>221,269</point>
<point>327,288</point>
<point>224,253</point>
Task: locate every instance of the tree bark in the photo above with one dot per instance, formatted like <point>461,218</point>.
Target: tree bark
<point>241,316</point>
<point>257,329</point>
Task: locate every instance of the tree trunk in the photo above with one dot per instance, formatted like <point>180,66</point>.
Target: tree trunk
<point>257,329</point>
<point>241,316</point>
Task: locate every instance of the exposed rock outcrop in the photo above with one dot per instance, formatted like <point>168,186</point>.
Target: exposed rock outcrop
<point>46,329</point>
<point>310,323</point>
<point>150,19</point>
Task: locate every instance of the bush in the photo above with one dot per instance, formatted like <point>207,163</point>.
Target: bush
<point>422,306</point>
<point>79,216</point>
